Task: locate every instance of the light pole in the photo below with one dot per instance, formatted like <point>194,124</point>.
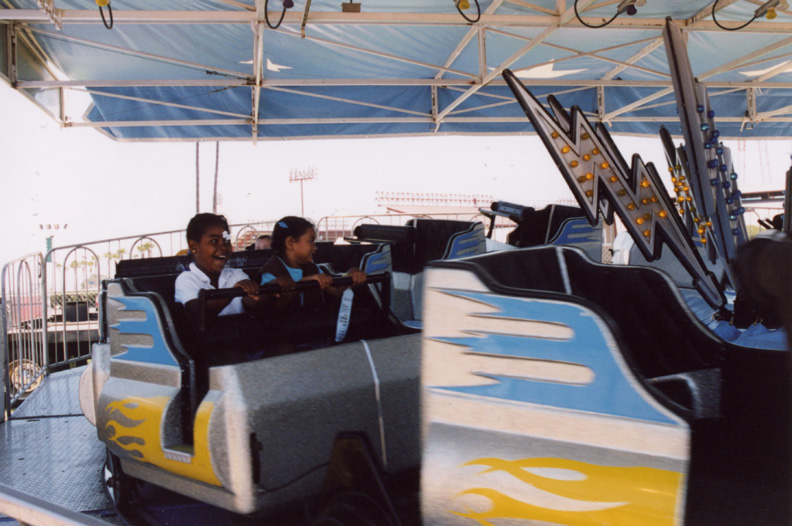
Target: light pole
<point>48,239</point>
<point>301,176</point>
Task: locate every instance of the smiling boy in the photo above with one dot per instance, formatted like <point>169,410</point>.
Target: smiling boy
<point>210,245</point>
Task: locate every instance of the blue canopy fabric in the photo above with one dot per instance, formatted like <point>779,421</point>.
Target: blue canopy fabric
<point>215,70</point>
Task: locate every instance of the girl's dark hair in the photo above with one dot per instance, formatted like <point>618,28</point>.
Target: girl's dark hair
<point>289,226</point>
<point>200,223</point>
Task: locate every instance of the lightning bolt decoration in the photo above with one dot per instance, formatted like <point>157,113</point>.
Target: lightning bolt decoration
<point>702,169</point>
<point>602,182</point>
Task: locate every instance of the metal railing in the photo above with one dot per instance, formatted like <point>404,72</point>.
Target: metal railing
<point>338,227</point>
<point>23,350</point>
<point>50,308</point>
<point>50,311</point>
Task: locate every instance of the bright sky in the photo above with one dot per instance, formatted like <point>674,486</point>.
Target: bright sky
<point>103,189</point>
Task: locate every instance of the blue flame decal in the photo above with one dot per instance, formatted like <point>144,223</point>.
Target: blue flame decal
<point>612,392</point>
<point>378,261</point>
<point>158,353</point>
<point>576,232</point>
<point>467,243</point>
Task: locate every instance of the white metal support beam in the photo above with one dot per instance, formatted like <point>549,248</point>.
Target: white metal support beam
<point>258,65</point>
<point>140,54</point>
<point>563,19</point>
<point>711,73</point>
<point>54,15</point>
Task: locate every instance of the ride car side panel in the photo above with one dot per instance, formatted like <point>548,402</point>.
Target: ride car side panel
<point>531,413</point>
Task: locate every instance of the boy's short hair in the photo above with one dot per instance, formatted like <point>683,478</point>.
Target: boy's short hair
<point>200,223</point>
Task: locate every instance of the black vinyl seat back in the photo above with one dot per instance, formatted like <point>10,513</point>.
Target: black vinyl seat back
<point>400,238</point>
<point>536,269</point>
<point>131,268</point>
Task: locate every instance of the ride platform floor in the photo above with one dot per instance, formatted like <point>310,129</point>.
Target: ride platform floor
<point>50,451</point>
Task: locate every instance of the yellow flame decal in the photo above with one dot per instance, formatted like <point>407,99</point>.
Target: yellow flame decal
<point>142,439</point>
<point>602,494</point>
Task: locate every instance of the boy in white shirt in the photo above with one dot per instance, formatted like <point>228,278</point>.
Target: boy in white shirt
<point>210,245</point>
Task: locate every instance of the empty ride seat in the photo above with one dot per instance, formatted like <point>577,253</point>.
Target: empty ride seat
<point>400,238</point>
<point>662,335</point>
<point>340,258</point>
<point>538,227</point>
<point>658,336</point>
<point>446,239</point>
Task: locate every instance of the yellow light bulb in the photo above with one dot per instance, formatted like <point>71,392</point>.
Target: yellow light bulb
<point>662,213</point>
<point>631,206</point>
<point>554,135</point>
<point>464,4</point>
<point>582,179</point>
<point>586,157</point>
<point>589,176</point>
<point>645,183</point>
<point>595,151</point>
<point>647,233</point>
<point>771,13</point>
<point>573,164</point>
<point>565,149</point>
<point>640,221</point>
<point>613,179</point>
<point>586,136</point>
<point>589,193</point>
<point>102,3</point>
<point>704,240</point>
<point>604,165</point>
<point>622,193</point>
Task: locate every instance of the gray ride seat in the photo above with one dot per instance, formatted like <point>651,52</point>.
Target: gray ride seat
<point>739,426</point>
<point>228,431</point>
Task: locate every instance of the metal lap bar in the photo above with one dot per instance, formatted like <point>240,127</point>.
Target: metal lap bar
<point>206,295</point>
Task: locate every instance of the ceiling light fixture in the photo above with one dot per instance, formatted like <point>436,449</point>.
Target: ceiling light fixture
<point>463,5</point>
<point>768,9</point>
<point>630,7</point>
